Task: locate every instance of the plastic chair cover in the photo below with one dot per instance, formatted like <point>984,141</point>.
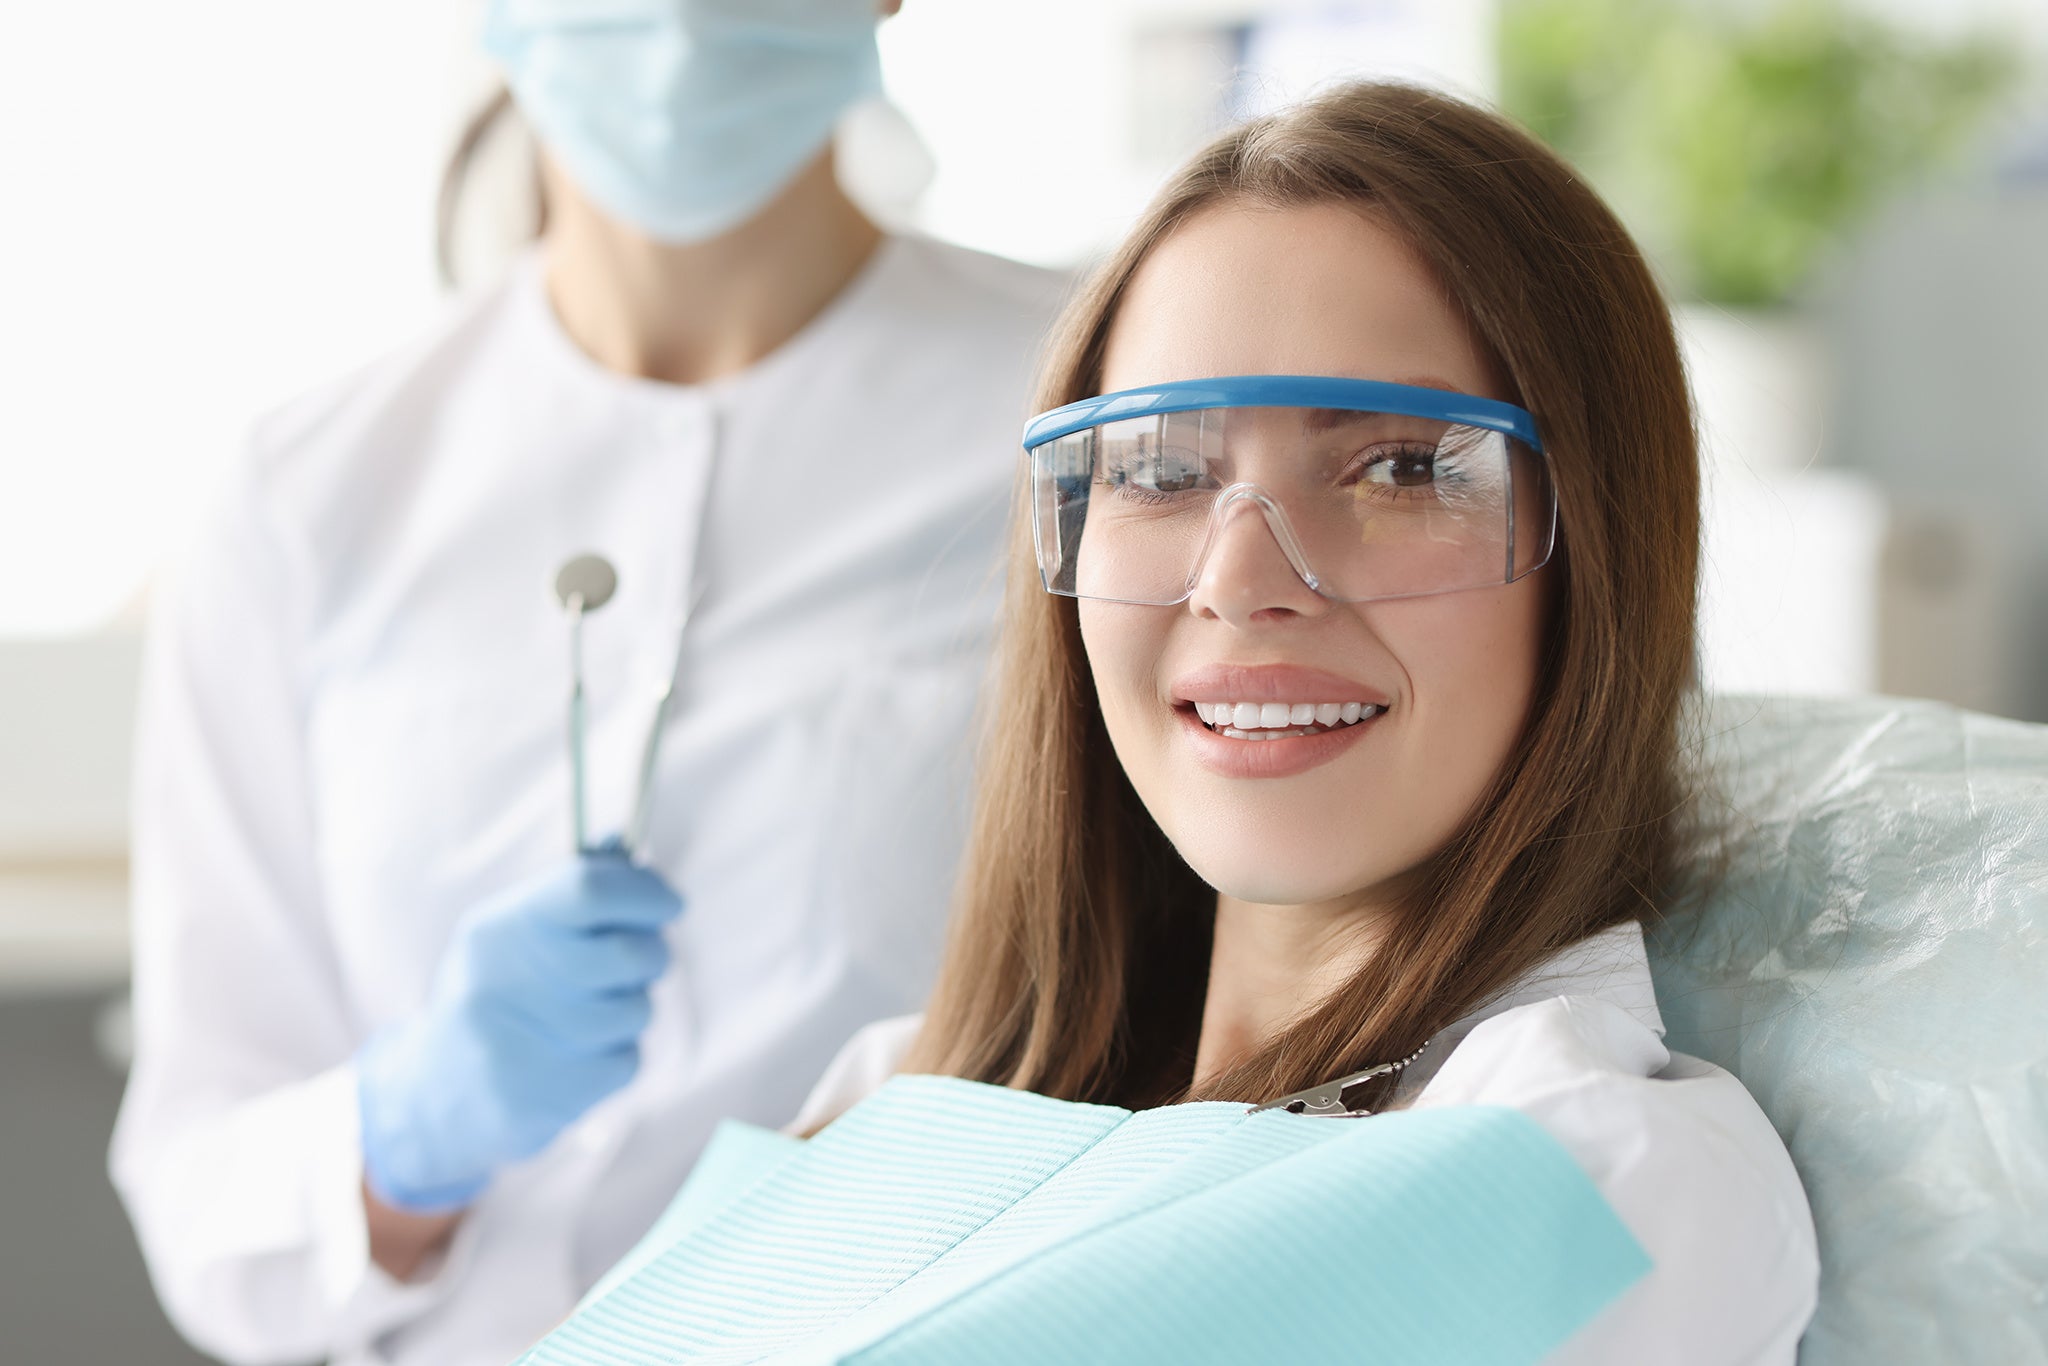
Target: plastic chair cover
<point>1873,964</point>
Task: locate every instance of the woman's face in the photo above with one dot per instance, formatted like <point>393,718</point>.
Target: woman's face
<point>1337,816</point>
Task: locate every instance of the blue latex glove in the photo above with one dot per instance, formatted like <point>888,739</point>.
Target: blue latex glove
<point>535,1015</point>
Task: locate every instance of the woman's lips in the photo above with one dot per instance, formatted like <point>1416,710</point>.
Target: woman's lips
<point>1281,757</point>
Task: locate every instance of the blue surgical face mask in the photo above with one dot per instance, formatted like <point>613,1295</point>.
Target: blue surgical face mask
<point>684,117</point>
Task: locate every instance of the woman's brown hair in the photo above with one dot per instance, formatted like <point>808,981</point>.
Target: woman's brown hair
<point>1078,957</point>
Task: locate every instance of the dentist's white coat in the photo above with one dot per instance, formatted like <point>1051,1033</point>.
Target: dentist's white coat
<point>353,730</point>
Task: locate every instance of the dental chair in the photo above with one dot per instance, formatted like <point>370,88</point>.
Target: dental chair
<point>1868,952</point>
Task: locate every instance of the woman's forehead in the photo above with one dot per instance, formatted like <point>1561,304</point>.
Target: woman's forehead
<point>1318,289</point>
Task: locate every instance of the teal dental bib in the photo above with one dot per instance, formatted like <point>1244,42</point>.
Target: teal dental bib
<point>948,1221</point>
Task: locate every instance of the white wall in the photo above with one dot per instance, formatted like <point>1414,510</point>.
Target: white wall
<point>210,204</point>
<point>1053,120</point>
<point>65,730</point>
<point>1935,318</point>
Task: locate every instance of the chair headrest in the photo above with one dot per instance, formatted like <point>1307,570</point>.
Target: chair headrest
<point>1870,957</point>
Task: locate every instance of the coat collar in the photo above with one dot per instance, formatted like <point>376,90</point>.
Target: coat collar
<point>1612,966</point>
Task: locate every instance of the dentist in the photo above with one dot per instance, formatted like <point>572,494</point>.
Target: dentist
<point>411,1071</point>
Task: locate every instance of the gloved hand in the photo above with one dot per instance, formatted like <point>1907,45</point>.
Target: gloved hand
<point>534,1016</point>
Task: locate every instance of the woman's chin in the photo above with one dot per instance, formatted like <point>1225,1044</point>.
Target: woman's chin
<point>1258,878</point>
<point>1289,857</point>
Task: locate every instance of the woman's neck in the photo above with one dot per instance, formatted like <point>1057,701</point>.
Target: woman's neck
<point>1269,966</point>
<point>688,314</point>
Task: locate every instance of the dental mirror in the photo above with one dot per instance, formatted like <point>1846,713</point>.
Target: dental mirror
<point>585,583</point>
<point>582,585</point>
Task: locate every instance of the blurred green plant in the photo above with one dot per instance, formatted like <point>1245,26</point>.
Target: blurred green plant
<point>1740,140</point>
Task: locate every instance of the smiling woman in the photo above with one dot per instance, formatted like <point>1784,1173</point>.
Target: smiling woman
<point>1520,791</point>
<point>1340,760</point>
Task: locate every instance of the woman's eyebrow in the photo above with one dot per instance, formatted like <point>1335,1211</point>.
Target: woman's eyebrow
<point>1318,420</point>
<point>1315,421</point>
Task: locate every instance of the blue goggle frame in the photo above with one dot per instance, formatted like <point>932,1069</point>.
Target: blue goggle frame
<point>1284,391</point>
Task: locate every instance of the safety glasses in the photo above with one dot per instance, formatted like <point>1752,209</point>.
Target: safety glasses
<point>1372,490</point>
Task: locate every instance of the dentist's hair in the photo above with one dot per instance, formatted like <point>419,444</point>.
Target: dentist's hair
<point>1079,951</point>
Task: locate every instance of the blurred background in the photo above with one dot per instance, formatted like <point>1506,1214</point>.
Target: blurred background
<point>216,204</point>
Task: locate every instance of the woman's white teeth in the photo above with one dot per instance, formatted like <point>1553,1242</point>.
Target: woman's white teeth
<point>1274,720</point>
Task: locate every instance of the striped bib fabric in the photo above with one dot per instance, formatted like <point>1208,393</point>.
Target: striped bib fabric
<point>948,1221</point>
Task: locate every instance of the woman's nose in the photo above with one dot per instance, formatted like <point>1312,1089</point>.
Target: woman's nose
<point>1253,565</point>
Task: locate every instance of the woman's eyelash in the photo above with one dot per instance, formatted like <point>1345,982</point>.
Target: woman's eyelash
<point>1437,466</point>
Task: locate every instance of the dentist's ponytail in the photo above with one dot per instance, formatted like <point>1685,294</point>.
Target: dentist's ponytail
<point>496,117</point>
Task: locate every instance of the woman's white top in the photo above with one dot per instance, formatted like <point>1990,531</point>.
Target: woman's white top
<point>1676,1145</point>
<point>353,729</point>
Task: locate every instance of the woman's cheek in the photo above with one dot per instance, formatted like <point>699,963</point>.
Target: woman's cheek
<point>1124,645</point>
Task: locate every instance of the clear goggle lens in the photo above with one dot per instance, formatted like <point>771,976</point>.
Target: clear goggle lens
<point>1364,504</point>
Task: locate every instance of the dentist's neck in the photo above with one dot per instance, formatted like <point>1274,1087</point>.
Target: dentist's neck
<point>690,314</point>
<point>1270,966</point>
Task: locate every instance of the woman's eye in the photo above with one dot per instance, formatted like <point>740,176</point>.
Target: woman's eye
<point>1411,468</point>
